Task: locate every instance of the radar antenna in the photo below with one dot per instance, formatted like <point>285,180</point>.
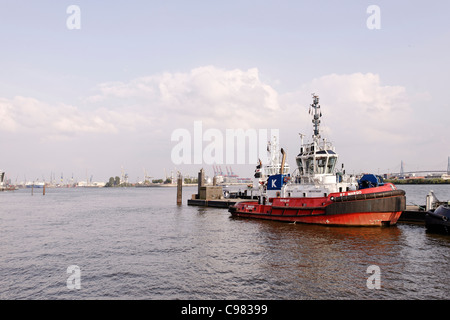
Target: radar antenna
<point>317,114</point>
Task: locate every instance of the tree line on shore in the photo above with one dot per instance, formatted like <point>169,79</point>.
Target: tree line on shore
<point>115,182</point>
<point>419,181</point>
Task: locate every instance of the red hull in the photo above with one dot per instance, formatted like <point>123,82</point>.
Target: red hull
<point>380,206</point>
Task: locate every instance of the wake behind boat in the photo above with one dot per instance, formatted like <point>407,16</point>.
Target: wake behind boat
<point>319,194</point>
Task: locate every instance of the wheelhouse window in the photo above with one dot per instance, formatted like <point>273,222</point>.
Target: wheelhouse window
<point>300,166</point>
<point>309,166</point>
<point>320,165</point>
<point>331,164</point>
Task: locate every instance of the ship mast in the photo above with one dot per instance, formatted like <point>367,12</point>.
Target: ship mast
<point>317,114</point>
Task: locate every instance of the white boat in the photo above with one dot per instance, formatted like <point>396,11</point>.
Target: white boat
<point>276,162</point>
<point>35,184</point>
<point>2,178</point>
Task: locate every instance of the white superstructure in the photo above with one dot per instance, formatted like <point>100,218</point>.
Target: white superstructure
<point>275,162</point>
<point>316,174</point>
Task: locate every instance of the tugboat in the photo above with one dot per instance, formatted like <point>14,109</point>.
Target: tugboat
<point>317,193</point>
<point>438,220</point>
<point>274,161</point>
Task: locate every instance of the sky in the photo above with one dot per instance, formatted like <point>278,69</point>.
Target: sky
<point>87,92</point>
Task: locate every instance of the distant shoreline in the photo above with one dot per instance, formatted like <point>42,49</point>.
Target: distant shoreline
<point>418,181</point>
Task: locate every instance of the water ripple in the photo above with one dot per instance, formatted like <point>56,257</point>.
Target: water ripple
<point>137,244</point>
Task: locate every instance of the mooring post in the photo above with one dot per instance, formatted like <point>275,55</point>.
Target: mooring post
<point>179,189</point>
<point>43,191</point>
<point>201,180</point>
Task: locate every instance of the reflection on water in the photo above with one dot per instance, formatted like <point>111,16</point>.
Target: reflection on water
<point>138,244</point>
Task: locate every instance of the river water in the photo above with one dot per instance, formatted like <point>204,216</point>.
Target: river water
<point>136,243</point>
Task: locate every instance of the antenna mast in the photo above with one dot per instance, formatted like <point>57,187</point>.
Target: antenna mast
<point>316,115</point>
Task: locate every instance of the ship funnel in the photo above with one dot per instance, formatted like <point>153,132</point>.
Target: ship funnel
<point>283,161</point>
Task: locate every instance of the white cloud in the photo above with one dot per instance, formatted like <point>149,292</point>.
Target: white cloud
<point>369,122</point>
<point>353,104</point>
<point>360,107</point>
<point>365,118</point>
<point>7,123</point>
<point>28,115</point>
<point>216,96</point>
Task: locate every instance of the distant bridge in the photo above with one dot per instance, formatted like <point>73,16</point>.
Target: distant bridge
<point>404,173</point>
